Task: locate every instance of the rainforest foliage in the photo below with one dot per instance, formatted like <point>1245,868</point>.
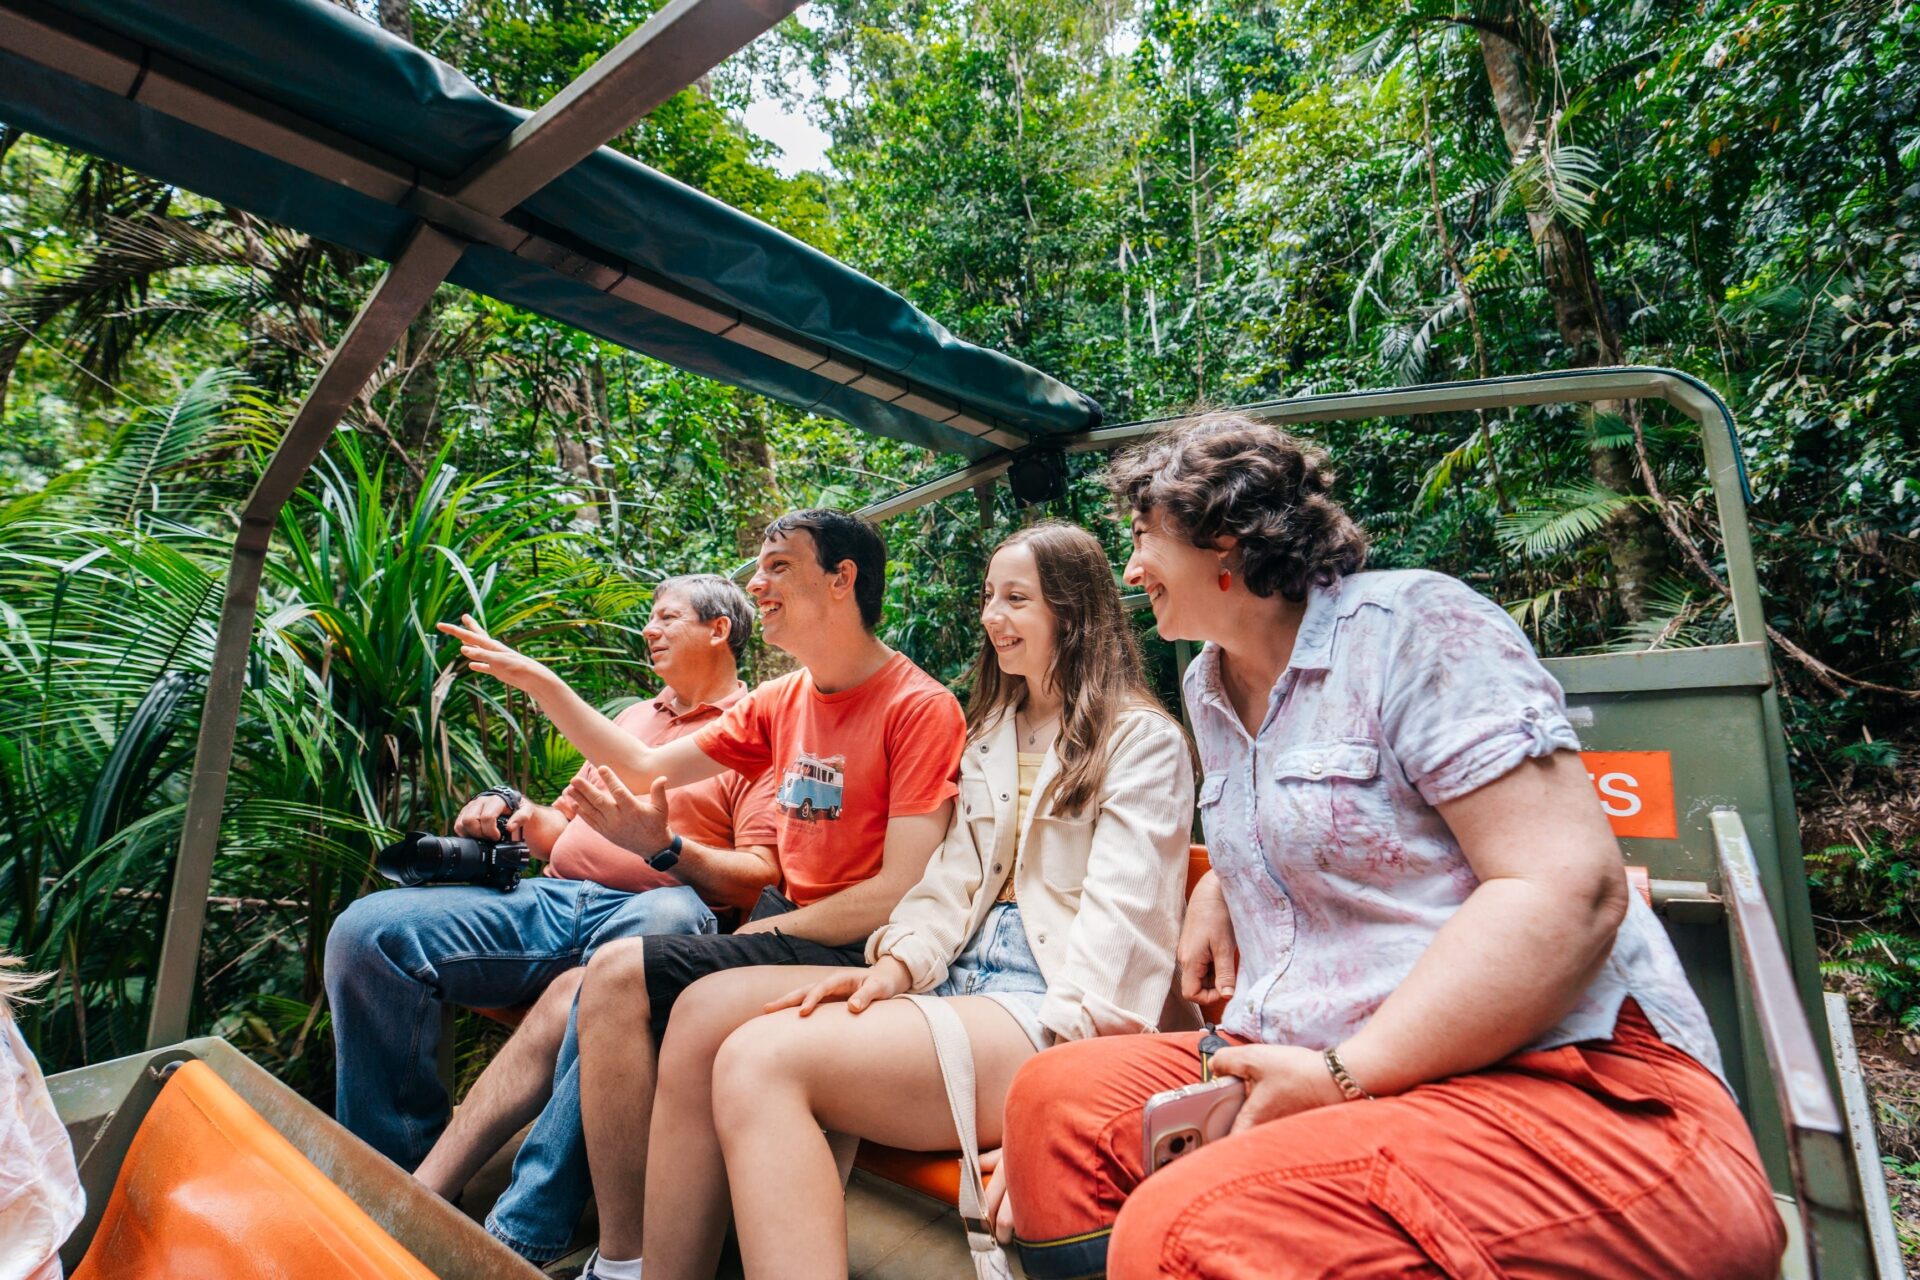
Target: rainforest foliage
<point>1163,203</point>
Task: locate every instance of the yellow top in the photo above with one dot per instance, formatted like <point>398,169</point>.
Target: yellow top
<point>1030,763</point>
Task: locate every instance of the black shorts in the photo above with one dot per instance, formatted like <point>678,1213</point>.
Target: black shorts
<point>675,961</point>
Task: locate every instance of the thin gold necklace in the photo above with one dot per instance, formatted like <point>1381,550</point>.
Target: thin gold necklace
<point>1033,733</point>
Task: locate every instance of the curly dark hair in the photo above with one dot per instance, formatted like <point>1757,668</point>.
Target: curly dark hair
<point>1226,475</point>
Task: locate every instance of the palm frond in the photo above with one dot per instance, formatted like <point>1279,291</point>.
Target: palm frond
<point>1560,519</point>
<point>1559,179</point>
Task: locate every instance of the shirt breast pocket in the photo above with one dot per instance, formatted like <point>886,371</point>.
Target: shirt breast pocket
<point>976,805</point>
<point>1062,842</point>
<point>1336,810</point>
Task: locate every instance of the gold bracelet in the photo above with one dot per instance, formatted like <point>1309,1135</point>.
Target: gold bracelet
<point>1349,1087</point>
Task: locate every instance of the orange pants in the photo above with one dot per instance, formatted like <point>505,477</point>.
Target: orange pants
<point>1615,1158</point>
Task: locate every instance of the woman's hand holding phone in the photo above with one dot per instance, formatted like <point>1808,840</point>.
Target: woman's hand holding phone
<point>1282,1080</point>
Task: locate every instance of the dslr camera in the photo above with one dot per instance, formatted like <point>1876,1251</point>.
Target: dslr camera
<point>421,858</point>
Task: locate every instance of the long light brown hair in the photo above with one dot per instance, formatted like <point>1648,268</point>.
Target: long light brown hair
<point>1096,663</point>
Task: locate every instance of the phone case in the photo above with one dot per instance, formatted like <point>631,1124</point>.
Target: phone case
<point>1181,1121</point>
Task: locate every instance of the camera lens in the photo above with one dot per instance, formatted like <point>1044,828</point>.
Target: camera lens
<point>425,859</point>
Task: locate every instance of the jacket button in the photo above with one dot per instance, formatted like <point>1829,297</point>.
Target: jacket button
<point>1316,768</point>
<point>1041,939</point>
<point>997,868</point>
<point>1003,795</point>
<point>983,748</point>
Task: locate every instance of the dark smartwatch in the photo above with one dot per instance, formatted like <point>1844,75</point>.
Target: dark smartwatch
<point>510,797</point>
<point>665,859</point>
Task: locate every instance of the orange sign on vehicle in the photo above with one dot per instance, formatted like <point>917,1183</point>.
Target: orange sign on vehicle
<point>1636,791</point>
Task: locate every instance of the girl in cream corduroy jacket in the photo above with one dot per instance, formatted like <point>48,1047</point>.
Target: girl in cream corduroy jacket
<point>1101,892</point>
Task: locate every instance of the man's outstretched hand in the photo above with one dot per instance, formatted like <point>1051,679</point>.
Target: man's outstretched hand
<point>609,807</point>
<point>496,658</point>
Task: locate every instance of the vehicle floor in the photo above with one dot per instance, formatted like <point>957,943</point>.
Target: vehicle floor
<point>892,1233</point>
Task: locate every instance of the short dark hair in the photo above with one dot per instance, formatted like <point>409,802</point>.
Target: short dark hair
<point>839,536</point>
<point>1225,474</point>
<point>712,596</point>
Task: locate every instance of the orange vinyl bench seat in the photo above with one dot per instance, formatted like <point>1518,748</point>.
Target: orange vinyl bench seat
<point>210,1190</point>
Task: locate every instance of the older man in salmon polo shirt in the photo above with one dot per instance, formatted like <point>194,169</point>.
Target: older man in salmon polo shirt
<point>396,957</point>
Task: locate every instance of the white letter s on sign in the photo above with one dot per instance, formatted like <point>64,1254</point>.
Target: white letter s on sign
<point>1620,787</point>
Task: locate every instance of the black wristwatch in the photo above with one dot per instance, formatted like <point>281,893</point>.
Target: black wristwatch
<point>665,859</point>
<point>510,797</point>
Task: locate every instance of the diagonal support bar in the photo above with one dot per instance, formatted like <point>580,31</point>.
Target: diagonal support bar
<point>400,296</point>
<point>670,51</point>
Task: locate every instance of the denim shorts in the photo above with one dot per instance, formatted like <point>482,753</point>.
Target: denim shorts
<point>998,963</point>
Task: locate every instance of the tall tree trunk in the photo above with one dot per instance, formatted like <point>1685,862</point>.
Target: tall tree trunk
<point>1199,247</point>
<point>396,18</point>
<point>749,460</point>
<point>1634,544</point>
<point>575,453</point>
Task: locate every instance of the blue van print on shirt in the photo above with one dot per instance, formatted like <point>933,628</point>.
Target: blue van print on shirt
<point>812,787</point>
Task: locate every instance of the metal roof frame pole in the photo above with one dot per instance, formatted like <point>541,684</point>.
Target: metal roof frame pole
<point>668,52</point>
<point>400,296</point>
<point>1684,392</point>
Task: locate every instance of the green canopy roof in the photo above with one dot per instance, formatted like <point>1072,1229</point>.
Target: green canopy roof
<point>299,112</point>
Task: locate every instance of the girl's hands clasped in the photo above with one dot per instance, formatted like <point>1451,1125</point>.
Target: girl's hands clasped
<point>858,987</point>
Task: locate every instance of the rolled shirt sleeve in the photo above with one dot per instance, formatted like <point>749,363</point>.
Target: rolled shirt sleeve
<point>1467,700</point>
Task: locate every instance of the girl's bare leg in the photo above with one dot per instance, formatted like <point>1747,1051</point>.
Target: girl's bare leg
<point>781,1079</point>
<point>685,1221</point>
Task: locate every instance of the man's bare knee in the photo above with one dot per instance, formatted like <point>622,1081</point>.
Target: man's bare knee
<point>616,979</point>
<point>710,1008</point>
<point>553,1006</point>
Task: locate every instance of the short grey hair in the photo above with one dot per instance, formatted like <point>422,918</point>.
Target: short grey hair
<point>713,596</point>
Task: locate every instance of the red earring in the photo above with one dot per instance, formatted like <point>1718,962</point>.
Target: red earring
<point>1226,578</point>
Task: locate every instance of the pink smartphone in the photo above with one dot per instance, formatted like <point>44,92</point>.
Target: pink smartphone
<point>1181,1121</point>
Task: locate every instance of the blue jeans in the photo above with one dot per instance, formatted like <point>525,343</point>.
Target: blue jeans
<point>998,963</point>
<point>397,957</point>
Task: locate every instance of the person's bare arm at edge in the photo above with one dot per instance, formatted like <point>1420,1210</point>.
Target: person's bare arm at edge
<point>1506,967</point>
<point>852,914</point>
<point>593,735</point>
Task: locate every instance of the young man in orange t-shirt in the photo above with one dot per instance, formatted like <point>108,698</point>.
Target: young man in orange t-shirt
<point>864,746</point>
<point>396,958</point>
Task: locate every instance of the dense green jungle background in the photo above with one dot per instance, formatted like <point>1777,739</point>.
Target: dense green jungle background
<point>1162,202</point>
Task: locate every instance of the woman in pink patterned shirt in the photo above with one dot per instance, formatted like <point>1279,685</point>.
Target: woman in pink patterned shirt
<point>1468,1049</point>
